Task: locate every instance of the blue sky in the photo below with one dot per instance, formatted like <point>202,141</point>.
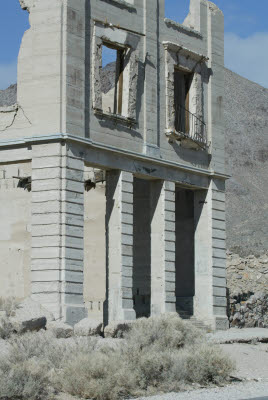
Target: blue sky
<point>246,36</point>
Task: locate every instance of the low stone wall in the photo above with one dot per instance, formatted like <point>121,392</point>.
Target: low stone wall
<point>247,275</point>
<point>247,282</point>
<point>249,313</point>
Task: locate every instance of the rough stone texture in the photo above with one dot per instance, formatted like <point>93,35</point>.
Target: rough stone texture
<point>60,330</point>
<point>117,329</point>
<point>251,312</point>
<point>246,121</point>
<point>247,274</point>
<point>88,327</point>
<point>8,96</point>
<point>29,316</point>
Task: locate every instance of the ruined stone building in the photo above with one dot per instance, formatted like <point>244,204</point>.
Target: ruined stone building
<point>112,175</point>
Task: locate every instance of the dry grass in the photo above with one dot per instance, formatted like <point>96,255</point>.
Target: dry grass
<point>8,305</point>
<point>7,309</point>
<point>159,355</point>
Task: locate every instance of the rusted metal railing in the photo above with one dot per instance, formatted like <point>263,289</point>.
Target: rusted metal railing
<point>190,126</point>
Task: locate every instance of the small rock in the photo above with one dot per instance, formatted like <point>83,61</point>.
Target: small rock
<point>30,316</point>
<point>88,327</point>
<point>60,330</point>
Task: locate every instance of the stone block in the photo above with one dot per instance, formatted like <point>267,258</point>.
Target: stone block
<point>30,316</point>
<point>60,330</point>
<point>88,327</point>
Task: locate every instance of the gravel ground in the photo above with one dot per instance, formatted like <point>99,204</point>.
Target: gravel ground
<point>251,360</point>
<point>241,391</point>
<point>252,367</point>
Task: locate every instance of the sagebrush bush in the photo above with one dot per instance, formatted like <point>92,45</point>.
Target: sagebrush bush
<point>7,308</point>
<point>158,354</point>
<point>8,305</point>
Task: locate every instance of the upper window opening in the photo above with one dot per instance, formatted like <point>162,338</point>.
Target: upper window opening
<point>112,76</point>
<point>177,10</point>
<point>13,23</point>
<point>182,85</point>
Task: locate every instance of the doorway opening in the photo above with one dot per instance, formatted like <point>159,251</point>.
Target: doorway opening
<point>185,252</point>
<point>142,248</point>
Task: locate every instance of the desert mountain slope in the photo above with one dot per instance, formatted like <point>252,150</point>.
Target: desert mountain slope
<point>246,119</point>
<point>8,96</point>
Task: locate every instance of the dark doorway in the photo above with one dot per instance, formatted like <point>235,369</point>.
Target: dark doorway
<point>185,259</point>
<point>182,84</point>
<point>141,248</point>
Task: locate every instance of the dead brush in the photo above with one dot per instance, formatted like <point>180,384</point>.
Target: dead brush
<point>158,355</point>
<point>7,309</point>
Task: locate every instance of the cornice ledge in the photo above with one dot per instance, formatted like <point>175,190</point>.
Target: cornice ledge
<point>182,28</point>
<point>175,47</point>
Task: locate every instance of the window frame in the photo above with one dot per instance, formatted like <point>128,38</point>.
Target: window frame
<point>179,58</point>
<point>127,43</point>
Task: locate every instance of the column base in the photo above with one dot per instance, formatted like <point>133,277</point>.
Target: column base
<point>128,315</point>
<point>221,324</point>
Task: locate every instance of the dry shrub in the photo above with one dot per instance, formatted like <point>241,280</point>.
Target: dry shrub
<point>158,354</point>
<point>8,305</point>
<point>7,309</point>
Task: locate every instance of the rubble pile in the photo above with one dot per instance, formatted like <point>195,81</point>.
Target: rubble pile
<point>249,312</point>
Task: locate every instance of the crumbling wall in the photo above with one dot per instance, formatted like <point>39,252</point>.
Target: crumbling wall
<point>15,231</point>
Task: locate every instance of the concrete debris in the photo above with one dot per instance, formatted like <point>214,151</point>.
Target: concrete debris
<point>117,329</point>
<point>88,327</point>
<point>29,316</point>
<point>60,330</point>
<point>249,313</point>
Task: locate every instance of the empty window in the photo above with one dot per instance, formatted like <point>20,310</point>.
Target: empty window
<point>112,78</point>
<point>182,85</point>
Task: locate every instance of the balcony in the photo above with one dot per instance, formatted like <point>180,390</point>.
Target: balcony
<point>189,128</point>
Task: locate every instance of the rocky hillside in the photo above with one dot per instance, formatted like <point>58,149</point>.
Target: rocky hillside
<point>246,118</point>
<point>8,96</point>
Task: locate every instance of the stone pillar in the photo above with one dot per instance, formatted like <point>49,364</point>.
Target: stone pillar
<point>58,231</point>
<point>210,256</point>
<point>163,297</point>
<point>119,233</point>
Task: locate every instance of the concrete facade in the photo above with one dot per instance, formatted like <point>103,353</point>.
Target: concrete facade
<point>103,205</point>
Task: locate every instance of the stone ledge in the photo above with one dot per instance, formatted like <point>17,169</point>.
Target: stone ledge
<point>234,335</point>
<point>182,28</point>
<point>121,4</point>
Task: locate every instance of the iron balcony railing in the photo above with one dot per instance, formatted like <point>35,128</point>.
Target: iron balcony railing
<point>188,125</point>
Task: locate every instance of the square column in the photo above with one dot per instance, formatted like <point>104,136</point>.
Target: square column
<point>210,303</point>
<point>163,296</point>
<point>58,231</point>
<point>119,234</point>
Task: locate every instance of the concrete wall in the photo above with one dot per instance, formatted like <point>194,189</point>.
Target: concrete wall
<point>15,232</point>
<point>95,251</point>
<point>61,52</point>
